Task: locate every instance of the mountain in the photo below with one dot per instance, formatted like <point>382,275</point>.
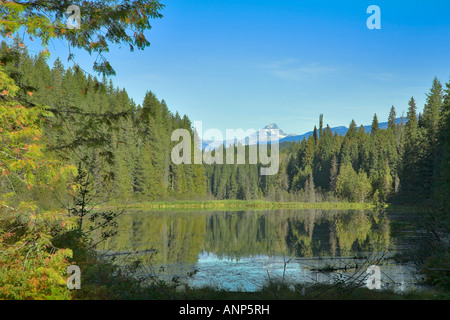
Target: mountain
<point>268,131</point>
<point>339,130</point>
<point>295,138</point>
<point>284,137</point>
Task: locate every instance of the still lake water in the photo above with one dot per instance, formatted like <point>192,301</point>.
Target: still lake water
<point>242,250</point>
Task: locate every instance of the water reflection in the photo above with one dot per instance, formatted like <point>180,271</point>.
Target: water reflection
<point>231,247</point>
<point>183,236</point>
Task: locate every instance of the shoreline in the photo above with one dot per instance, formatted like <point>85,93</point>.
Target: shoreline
<point>238,204</point>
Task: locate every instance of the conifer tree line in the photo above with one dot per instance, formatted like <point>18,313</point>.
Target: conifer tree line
<point>127,147</point>
<point>406,162</point>
<point>98,128</point>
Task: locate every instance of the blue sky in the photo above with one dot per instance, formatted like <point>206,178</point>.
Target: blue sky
<point>245,64</point>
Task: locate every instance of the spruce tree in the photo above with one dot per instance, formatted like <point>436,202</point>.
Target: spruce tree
<point>430,126</point>
<point>431,111</point>
<point>392,119</point>
<point>315,135</point>
<point>309,190</point>
<point>409,179</point>
<point>442,182</point>
<point>333,174</point>
<point>375,125</point>
<point>349,149</point>
<point>320,126</point>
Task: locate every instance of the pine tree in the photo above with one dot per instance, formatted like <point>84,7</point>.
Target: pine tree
<point>291,170</point>
<point>375,125</point>
<point>179,181</point>
<point>322,161</point>
<point>430,126</point>
<point>432,109</point>
<point>349,150</point>
<point>333,174</point>
<point>365,146</point>
<point>320,126</point>
<point>146,184</point>
<point>233,186</point>
<point>409,178</point>
<point>392,120</point>
<point>442,182</point>
<point>309,190</point>
<point>315,135</point>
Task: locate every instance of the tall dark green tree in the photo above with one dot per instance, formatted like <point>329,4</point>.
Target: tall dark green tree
<point>321,125</point>
<point>430,127</point>
<point>409,179</point>
<point>333,173</point>
<point>315,134</point>
<point>375,125</point>
<point>392,120</point>
<point>442,182</point>
<point>432,109</point>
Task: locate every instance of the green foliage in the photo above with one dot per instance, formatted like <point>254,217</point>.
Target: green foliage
<point>375,125</point>
<point>125,147</point>
<point>102,24</point>
<point>52,113</point>
<point>364,186</point>
<point>30,266</point>
<point>347,183</point>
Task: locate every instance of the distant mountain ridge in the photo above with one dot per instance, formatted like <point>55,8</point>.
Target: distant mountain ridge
<point>342,130</point>
<point>284,137</point>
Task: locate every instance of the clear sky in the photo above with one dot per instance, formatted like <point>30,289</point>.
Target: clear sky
<point>247,63</point>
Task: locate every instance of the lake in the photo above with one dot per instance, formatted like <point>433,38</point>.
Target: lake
<point>242,250</point>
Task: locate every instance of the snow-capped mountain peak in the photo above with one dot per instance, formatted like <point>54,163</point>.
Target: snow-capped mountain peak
<point>271,126</point>
<point>255,138</point>
<point>270,130</point>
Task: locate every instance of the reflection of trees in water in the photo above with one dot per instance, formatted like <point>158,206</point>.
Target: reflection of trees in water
<point>249,233</point>
<point>333,240</point>
<point>182,236</point>
<point>352,231</point>
<point>176,237</point>
<point>361,231</point>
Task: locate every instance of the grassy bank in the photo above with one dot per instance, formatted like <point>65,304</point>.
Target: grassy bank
<point>238,204</point>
